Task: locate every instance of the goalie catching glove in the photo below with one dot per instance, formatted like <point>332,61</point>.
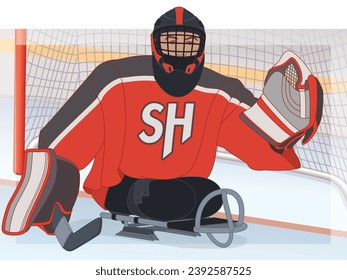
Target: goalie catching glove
<point>291,105</point>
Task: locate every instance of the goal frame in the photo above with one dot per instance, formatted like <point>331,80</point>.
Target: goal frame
<point>20,114</point>
<point>19,101</point>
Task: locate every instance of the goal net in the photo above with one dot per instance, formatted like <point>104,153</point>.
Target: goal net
<point>51,64</point>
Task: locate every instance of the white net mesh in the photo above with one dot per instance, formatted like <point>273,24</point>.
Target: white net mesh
<point>291,75</point>
<point>58,61</point>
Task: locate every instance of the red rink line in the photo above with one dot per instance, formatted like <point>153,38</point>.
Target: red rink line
<point>288,225</point>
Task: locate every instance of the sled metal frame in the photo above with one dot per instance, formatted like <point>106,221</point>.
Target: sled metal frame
<point>144,228</point>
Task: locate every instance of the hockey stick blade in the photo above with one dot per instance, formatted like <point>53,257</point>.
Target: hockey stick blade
<point>70,240</point>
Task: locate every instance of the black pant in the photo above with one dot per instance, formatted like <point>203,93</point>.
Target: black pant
<point>172,199</point>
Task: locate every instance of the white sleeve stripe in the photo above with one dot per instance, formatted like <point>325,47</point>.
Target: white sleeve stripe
<point>107,88</point>
<point>73,124</point>
<point>223,94</point>
<point>101,95</point>
<point>234,101</point>
<point>244,105</point>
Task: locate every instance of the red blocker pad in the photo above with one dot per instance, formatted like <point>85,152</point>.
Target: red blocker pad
<point>291,104</point>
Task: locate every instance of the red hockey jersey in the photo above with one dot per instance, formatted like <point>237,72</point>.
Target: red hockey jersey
<point>120,118</point>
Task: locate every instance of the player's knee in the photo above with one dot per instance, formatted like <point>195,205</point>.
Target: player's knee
<point>201,188</point>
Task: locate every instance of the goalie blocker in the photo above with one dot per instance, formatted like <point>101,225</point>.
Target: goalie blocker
<point>45,197</point>
<point>290,107</point>
<point>40,190</point>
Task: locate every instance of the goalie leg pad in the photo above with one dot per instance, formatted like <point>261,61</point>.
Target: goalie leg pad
<point>48,181</point>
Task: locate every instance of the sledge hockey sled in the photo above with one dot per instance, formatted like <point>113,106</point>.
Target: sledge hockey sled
<point>139,227</point>
<point>143,228</point>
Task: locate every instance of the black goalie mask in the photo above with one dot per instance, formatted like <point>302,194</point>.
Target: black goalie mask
<point>178,42</point>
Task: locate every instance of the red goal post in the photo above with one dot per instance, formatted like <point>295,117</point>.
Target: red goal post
<point>19,100</point>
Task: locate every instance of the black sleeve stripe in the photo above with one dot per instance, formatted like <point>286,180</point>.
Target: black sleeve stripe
<point>135,66</point>
<point>233,87</point>
<point>88,92</point>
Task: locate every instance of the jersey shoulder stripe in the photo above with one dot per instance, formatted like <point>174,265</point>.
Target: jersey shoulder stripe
<point>103,76</point>
<point>229,86</point>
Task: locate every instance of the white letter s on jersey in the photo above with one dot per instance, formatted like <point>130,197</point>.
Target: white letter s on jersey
<point>171,122</point>
<point>153,122</point>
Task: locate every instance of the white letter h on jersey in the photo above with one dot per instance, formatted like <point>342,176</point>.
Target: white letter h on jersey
<point>171,122</point>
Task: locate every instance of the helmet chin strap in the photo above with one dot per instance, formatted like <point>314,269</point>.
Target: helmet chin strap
<point>171,64</point>
<point>191,67</point>
<point>167,67</point>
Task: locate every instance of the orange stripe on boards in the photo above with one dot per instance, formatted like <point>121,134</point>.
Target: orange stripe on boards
<point>287,225</point>
<point>6,45</point>
<point>84,194</point>
<point>10,183</point>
